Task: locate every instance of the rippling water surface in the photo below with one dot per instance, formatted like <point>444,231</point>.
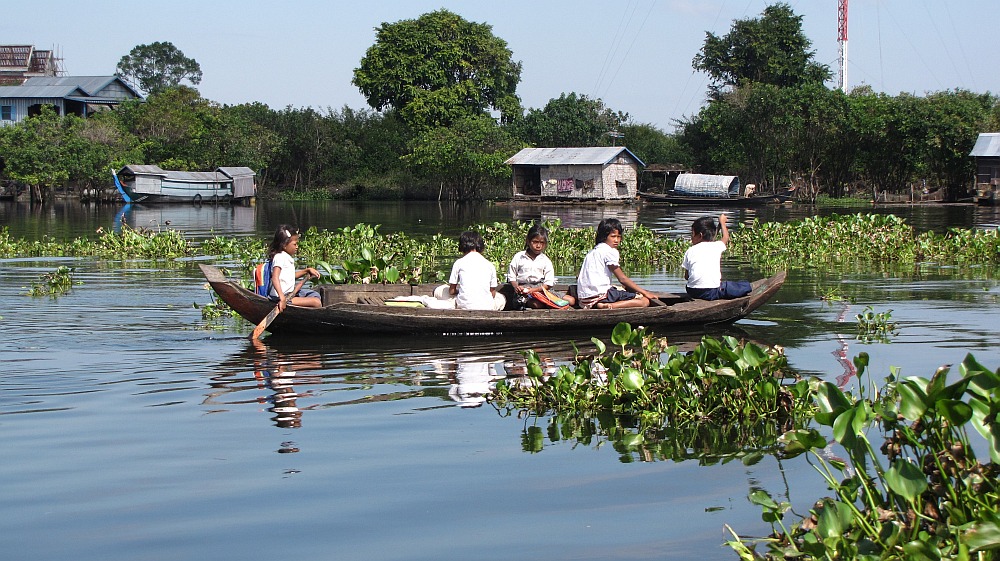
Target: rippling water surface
<point>134,430</point>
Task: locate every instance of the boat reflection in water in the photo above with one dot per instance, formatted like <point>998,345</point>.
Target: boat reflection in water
<point>194,220</point>
<point>471,379</point>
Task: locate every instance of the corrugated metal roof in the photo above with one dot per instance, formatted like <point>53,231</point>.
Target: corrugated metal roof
<point>217,175</point>
<point>63,86</point>
<point>988,144</point>
<point>704,185</point>
<point>235,172</point>
<point>595,155</point>
<point>40,91</point>
<point>88,84</point>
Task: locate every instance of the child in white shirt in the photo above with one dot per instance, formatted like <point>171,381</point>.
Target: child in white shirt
<point>702,263</point>
<point>601,267</point>
<point>473,278</point>
<point>531,271</point>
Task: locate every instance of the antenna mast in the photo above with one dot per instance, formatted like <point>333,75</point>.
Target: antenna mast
<point>842,39</point>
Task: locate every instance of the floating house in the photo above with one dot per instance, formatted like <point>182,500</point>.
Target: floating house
<point>151,184</point>
<point>68,95</point>
<point>987,155</point>
<point>575,174</point>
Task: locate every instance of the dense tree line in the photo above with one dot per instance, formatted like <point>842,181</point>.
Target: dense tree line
<point>445,115</point>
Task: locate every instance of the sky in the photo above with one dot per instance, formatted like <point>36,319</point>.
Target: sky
<point>634,55</point>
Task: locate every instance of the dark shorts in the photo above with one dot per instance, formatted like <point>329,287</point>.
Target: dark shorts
<point>726,291</point>
<point>617,295</point>
<point>303,293</point>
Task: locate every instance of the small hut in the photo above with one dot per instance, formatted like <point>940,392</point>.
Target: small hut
<point>987,155</point>
<point>593,173</point>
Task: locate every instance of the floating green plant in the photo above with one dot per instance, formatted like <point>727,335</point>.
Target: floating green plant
<point>53,284</point>
<point>722,380</point>
<point>876,326</point>
<point>923,495</point>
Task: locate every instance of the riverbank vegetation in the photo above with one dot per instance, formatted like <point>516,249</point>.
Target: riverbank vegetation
<point>872,241</point>
<point>430,131</point>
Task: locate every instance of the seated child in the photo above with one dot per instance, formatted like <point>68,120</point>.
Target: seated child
<point>281,253</point>
<point>473,278</point>
<point>601,267</point>
<point>702,263</point>
<point>531,271</point>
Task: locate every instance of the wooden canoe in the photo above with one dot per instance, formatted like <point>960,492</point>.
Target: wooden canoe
<point>671,198</point>
<point>360,309</point>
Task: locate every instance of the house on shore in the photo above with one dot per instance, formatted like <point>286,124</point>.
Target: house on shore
<point>68,95</point>
<point>575,174</point>
<point>987,155</point>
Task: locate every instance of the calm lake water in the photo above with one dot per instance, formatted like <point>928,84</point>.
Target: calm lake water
<point>134,431</point>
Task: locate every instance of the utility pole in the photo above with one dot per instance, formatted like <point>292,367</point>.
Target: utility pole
<point>842,39</point>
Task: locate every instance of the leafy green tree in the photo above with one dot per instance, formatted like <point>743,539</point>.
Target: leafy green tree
<point>653,146</point>
<point>953,121</point>
<point>467,158</point>
<point>438,69</point>
<point>34,153</point>
<point>771,49</point>
<point>572,120</point>
<point>158,66</point>
<point>887,129</point>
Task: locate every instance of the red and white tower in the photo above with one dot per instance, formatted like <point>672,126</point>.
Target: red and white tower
<point>842,38</point>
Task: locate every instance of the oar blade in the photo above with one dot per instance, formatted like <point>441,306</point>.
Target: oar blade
<point>259,330</point>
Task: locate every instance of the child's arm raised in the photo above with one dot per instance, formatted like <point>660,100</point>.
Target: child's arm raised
<point>725,230</point>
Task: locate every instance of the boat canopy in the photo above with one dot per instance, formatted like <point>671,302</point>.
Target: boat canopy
<point>702,185</point>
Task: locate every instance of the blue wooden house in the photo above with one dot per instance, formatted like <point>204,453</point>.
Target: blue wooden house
<point>68,95</point>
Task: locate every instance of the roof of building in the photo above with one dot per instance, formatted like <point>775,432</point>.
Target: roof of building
<point>594,155</point>
<point>63,86</point>
<point>987,145</point>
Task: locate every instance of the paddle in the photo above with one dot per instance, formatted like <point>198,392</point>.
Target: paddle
<point>259,330</point>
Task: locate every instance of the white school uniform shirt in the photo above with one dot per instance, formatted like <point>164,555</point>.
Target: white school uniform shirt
<point>526,270</point>
<point>595,275</point>
<point>287,275</point>
<point>475,276</point>
<point>702,261</point>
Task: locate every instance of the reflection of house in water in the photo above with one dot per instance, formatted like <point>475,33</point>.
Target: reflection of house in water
<point>601,173</point>
<point>577,216</point>
<point>215,220</point>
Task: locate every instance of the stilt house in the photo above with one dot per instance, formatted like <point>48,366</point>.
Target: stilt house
<point>593,173</point>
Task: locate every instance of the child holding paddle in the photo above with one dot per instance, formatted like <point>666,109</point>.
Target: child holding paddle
<point>531,273</point>
<point>281,254</point>
<point>702,263</point>
<point>601,267</point>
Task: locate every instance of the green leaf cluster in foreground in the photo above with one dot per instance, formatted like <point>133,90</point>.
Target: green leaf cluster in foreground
<point>920,494</point>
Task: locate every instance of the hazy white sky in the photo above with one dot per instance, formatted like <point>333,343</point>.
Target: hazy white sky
<point>634,54</point>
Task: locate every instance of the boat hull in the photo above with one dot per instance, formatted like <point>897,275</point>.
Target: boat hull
<point>359,310</point>
<point>714,201</point>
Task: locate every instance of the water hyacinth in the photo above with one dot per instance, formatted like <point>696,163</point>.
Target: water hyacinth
<point>922,494</point>
<point>720,380</point>
<point>864,240</point>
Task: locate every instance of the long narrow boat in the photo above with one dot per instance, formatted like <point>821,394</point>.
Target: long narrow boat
<point>353,309</point>
<point>150,184</point>
<point>673,198</point>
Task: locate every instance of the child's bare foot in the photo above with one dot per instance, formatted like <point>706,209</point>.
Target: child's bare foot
<point>604,306</point>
